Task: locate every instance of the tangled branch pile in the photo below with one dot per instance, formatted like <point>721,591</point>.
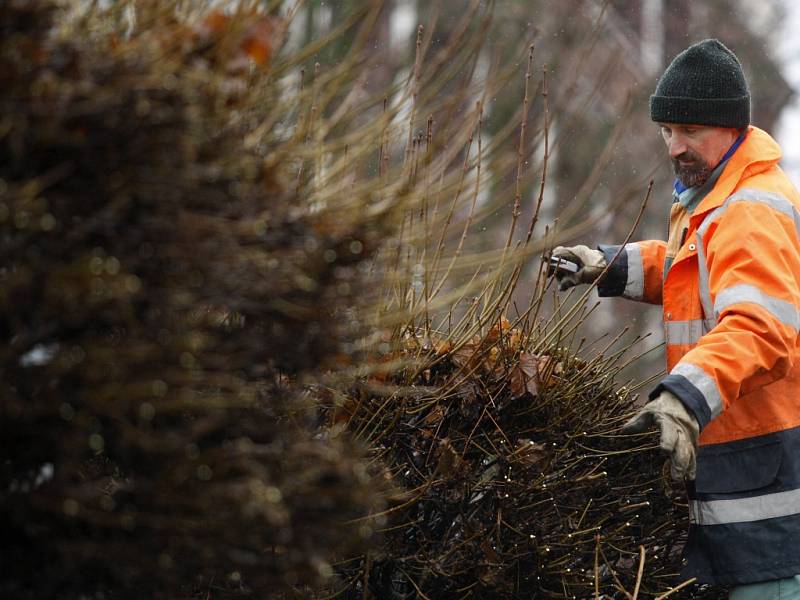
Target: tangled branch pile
<point>518,484</point>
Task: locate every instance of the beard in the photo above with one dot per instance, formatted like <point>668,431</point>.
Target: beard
<point>695,173</point>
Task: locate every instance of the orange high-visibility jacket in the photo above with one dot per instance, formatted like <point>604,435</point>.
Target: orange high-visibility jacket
<point>731,303</point>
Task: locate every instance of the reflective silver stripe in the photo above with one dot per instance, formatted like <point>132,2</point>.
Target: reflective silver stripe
<point>704,383</point>
<point>705,291</point>
<point>774,201</point>
<point>684,332</point>
<point>745,510</point>
<point>634,287</point>
<point>785,312</point>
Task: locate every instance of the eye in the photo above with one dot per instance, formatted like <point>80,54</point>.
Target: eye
<point>690,130</point>
<point>666,131</point>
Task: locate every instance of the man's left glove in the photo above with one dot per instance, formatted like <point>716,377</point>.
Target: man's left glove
<point>679,432</point>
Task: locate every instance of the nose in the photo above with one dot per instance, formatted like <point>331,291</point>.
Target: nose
<point>676,145</point>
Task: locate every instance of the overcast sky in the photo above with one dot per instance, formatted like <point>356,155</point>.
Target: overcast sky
<point>787,131</point>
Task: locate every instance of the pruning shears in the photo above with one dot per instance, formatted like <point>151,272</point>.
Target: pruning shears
<point>558,265</point>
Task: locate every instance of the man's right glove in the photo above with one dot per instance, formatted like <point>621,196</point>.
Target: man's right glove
<point>679,432</point>
<point>590,264</point>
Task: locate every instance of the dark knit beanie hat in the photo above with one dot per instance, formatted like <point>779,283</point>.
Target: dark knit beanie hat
<point>703,85</point>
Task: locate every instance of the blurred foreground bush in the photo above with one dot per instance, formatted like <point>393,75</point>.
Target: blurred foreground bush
<point>162,290</point>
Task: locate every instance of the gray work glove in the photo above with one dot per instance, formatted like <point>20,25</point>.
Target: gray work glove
<point>679,432</point>
<point>590,262</point>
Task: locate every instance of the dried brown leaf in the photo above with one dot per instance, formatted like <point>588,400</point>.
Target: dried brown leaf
<point>516,382</point>
<point>464,356</point>
<point>448,460</point>
<point>529,366</point>
<point>435,416</point>
<point>443,348</point>
<point>490,552</point>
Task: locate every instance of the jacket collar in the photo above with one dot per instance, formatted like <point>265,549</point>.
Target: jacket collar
<point>758,153</point>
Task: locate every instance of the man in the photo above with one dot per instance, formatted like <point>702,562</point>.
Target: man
<point>729,281</point>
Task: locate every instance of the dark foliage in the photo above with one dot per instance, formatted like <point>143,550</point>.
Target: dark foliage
<point>157,283</point>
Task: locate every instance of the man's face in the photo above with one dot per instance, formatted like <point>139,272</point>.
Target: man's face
<point>696,149</point>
